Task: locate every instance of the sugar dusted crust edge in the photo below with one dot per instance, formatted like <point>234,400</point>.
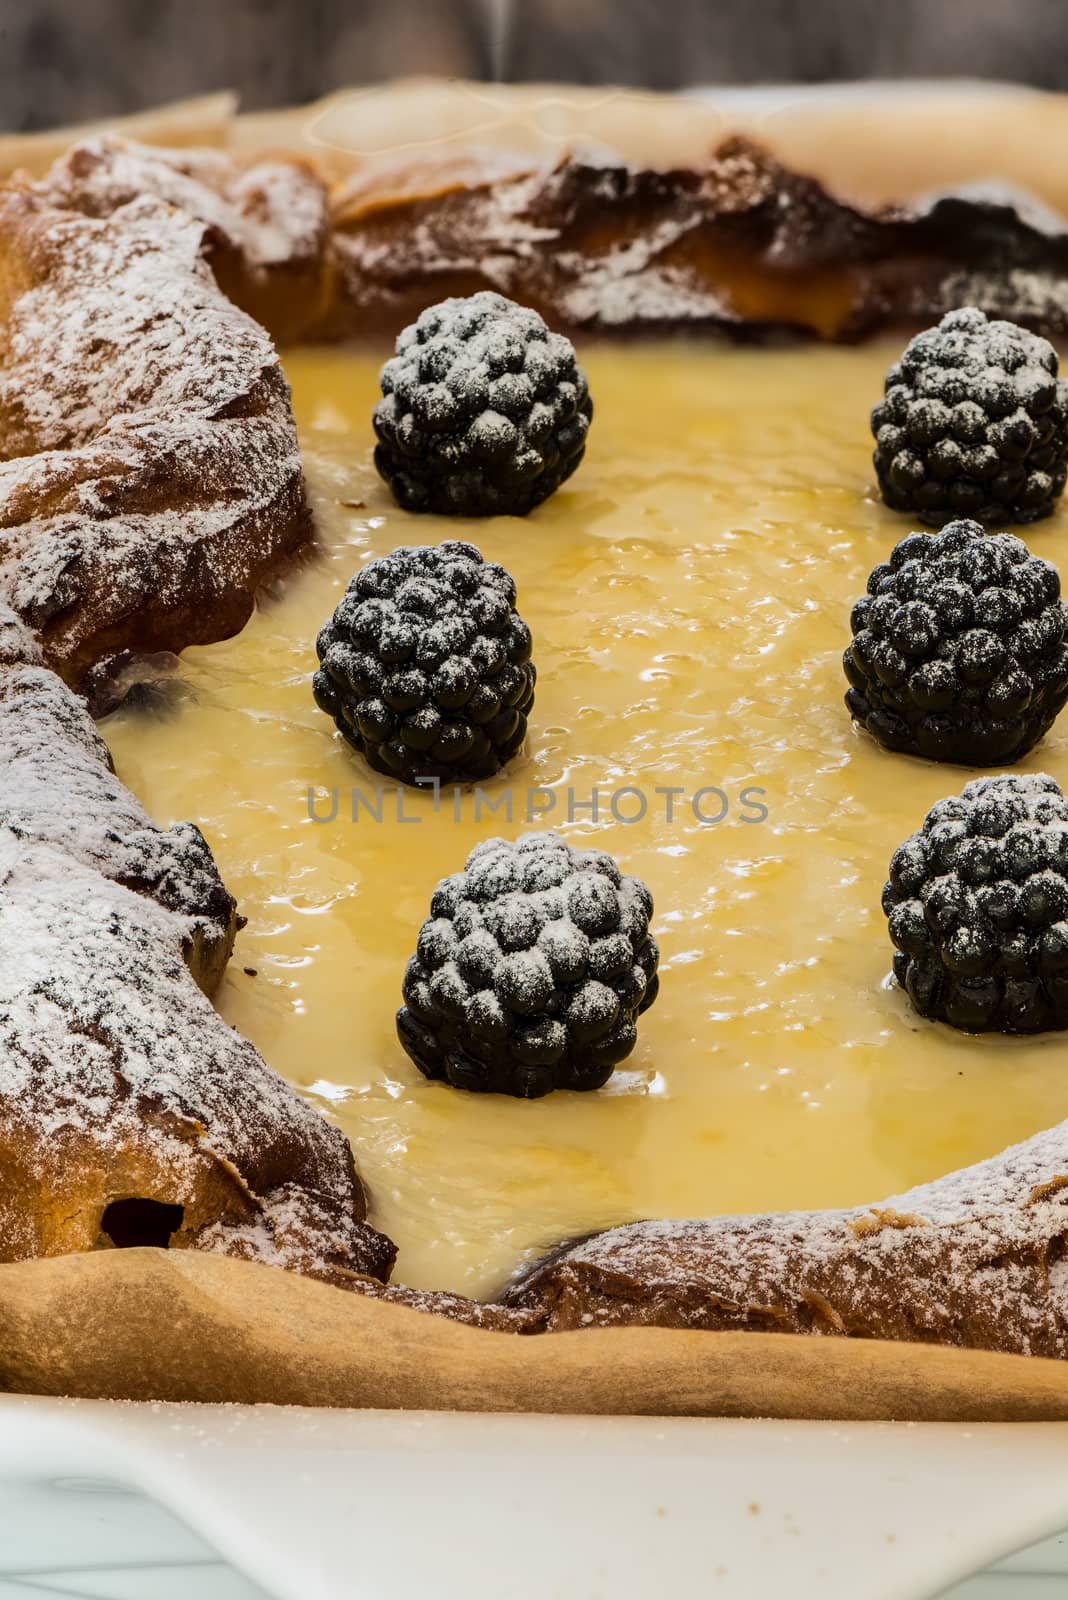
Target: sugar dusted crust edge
<point>152,482</point>
<point>655,214</point>
<point>118,1078</point>
<point>976,1259</point>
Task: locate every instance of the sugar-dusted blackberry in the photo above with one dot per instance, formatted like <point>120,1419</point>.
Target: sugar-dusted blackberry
<point>484,410</point>
<point>974,423</point>
<point>425,665</point>
<point>531,970</point>
<point>958,649</point>
<point>977,904</point>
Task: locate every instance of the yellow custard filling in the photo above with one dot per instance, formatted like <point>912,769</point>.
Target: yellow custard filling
<point>689,593</point>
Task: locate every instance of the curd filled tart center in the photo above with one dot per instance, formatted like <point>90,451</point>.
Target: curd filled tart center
<point>689,593</point>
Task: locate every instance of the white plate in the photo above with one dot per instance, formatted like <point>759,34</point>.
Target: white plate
<point>328,1505</point>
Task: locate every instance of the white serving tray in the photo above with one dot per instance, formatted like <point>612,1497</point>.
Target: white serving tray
<point>373,1505</point>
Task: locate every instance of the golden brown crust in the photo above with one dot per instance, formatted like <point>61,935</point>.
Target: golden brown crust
<point>152,480</point>
<point>60,789</point>
<point>152,483</point>
<point>266,219</point>
<point>736,243</point>
<point>975,1259</point>
<point>618,210</point>
<point>873,144</point>
<point>119,1081</point>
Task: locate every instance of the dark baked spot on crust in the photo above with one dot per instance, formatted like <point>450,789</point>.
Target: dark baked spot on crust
<point>137,1221</point>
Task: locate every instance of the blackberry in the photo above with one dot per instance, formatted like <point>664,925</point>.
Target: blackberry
<point>425,665</point>
<point>531,970</point>
<point>484,411</point>
<point>958,649</point>
<point>974,424</point>
<point>978,908</point>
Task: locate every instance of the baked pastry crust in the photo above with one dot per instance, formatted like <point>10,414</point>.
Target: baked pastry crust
<point>153,481</point>
<point>152,484</point>
<point>975,1259</point>
<point>266,219</point>
<point>118,1079</point>
<point>738,244</point>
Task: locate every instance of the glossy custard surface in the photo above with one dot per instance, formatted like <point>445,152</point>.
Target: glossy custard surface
<point>689,593</point>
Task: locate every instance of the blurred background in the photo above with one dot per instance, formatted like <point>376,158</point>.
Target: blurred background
<point>70,60</point>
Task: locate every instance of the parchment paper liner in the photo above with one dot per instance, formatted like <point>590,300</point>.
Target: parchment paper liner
<point>179,1325</point>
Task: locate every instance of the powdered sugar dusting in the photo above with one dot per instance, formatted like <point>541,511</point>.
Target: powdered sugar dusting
<point>138,338</point>
<point>630,286</point>
<point>972,1259</point>
<point>595,244</point>
<point>59,790</point>
<point>273,212</point>
<point>1033,294</point>
<point>153,476</point>
<point>118,1078</point>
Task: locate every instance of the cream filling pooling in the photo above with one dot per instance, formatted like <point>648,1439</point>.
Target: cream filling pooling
<point>689,593</point>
